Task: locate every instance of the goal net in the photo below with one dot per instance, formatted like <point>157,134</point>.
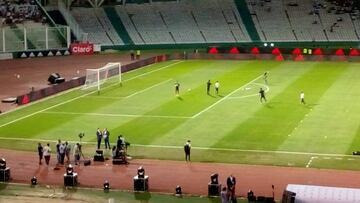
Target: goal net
<point>98,78</point>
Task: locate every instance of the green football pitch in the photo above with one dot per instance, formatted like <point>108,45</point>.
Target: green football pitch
<point>233,126</point>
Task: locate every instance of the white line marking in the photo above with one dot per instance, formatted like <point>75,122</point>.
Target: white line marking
<point>73,99</point>
<point>252,95</point>
<point>114,115</point>
<point>146,89</point>
<point>222,99</point>
<point>198,148</point>
<point>105,97</point>
<point>310,161</point>
<point>147,73</point>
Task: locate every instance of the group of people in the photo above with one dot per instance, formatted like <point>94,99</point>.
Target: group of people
<point>100,135</point>
<point>63,150</point>
<point>19,11</point>
<point>208,87</point>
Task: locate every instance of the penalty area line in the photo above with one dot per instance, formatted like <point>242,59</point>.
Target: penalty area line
<point>227,96</point>
<point>84,95</point>
<point>267,89</point>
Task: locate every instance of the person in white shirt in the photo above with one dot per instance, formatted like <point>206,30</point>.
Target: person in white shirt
<point>46,152</point>
<point>302,97</point>
<point>217,85</point>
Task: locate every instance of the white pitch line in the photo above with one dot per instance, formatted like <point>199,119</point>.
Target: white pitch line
<point>193,147</point>
<point>146,89</point>
<point>227,96</point>
<point>147,73</point>
<point>310,161</point>
<point>81,96</point>
<point>114,115</point>
<point>252,95</point>
<point>105,97</point>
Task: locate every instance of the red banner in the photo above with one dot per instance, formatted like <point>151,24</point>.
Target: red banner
<point>82,48</point>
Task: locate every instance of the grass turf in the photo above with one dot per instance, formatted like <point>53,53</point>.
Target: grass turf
<point>231,127</point>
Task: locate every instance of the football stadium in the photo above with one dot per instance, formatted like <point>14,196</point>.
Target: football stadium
<point>180,101</point>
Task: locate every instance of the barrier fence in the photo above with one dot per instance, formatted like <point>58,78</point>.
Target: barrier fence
<point>33,38</point>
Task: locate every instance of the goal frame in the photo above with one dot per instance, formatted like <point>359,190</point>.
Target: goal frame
<point>98,70</point>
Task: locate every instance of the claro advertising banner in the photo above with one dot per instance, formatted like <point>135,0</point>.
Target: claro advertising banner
<point>82,48</point>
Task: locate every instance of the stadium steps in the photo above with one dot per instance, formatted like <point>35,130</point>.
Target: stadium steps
<point>197,24</point>
<point>247,20</point>
<point>20,36</point>
<point>118,25</point>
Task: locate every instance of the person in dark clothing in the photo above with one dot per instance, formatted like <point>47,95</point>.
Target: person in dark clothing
<point>231,182</point>
<point>99,137</point>
<point>120,142</point>
<point>177,88</point>
<point>208,85</point>
<point>41,153</point>
<point>187,150</point>
<point>106,135</point>
<point>262,95</point>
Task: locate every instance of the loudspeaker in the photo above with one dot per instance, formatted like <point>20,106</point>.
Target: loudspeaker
<point>87,162</point>
<point>214,189</point>
<point>141,184</point>
<point>52,78</point>
<point>55,78</point>
<point>70,180</point>
<point>5,174</point>
<point>99,155</point>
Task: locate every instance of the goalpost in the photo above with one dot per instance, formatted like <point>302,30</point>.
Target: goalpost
<point>96,78</point>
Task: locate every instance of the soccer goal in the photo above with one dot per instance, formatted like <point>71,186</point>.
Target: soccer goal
<point>104,76</point>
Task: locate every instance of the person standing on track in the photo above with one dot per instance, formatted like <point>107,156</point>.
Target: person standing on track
<point>41,152</point>
<point>106,135</point>
<point>99,136</point>
<point>47,151</point>
<point>187,150</point>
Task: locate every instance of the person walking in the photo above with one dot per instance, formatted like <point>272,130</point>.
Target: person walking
<point>106,135</point>
<point>41,153</point>
<point>187,150</point>
<point>99,136</point>
<point>46,152</point>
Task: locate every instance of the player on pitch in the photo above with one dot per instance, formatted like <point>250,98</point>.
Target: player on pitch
<point>302,97</point>
<point>262,95</point>
<point>177,88</point>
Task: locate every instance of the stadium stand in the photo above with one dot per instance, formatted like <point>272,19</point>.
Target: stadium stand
<point>270,20</point>
<point>307,20</point>
<point>96,32</point>
<point>187,21</point>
